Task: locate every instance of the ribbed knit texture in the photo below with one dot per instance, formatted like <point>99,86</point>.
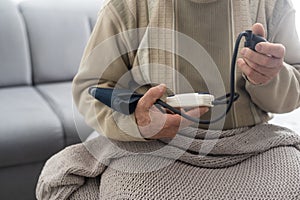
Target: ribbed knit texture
<point>248,163</point>
<point>209,24</point>
<point>120,15</point>
<point>192,19</point>
<point>160,59</point>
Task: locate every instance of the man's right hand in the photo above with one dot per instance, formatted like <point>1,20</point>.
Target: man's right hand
<point>153,124</point>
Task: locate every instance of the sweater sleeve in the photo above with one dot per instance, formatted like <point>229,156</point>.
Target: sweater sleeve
<point>282,94</point>
<point>105,61</point>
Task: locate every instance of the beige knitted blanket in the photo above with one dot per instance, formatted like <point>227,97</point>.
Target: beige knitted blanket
<point>262,162</point>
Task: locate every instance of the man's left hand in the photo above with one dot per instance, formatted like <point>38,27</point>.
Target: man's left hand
<point>262,66</point>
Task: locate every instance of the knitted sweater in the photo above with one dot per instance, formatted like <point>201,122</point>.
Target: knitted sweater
<point>262,163</point>
<point>124,49</point>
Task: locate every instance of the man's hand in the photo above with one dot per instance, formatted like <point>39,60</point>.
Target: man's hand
<point>262,66</point>
<point>154,124</point>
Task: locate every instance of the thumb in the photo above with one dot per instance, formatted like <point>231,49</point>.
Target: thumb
<point>258,29</point>
<point>152,95</point>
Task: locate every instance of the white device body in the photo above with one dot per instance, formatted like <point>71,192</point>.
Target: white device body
<point>190,100</point>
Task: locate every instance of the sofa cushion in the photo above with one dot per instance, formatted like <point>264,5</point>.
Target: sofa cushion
<point>57,39</point>
<point>59,96</point>
<point>19,182</point>
<point>14,51</point>
<point>29,129</point>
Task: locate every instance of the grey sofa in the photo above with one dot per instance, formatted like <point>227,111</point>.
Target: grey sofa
<point>41,44</point>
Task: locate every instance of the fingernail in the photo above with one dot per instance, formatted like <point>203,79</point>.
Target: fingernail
<point>258,47</point>
<point>162,87</point>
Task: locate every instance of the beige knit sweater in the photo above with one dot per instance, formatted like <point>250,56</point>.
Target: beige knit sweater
<point>245,164</point>
<point>213,25</point>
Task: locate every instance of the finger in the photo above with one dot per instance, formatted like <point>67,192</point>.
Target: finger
<point>260,59</point>
<point>169,130</point>
<point>275,50</point>
<point>155,126</point>
<point>150,97</point>
<point>266,71</point>
<point>196,113</point>
<point>145,116</point>
<point>175,122</point>
<point>252,75</point>
<point>258,29</point>
<point>172,124</point>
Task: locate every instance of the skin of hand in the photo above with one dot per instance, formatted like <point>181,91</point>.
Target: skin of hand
<point>153,124</point>
<point>262,66</point>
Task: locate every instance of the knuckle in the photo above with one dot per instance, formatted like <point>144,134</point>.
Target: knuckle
<point>246,72</point>
<point>251,73</point>
<point>247,53</point>
<point>241,62</point>
<point>167,126</point>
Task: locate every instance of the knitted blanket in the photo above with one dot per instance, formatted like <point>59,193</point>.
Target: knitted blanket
<point>262,162</point>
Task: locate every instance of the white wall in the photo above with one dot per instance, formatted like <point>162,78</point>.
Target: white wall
<point>297,6</point>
